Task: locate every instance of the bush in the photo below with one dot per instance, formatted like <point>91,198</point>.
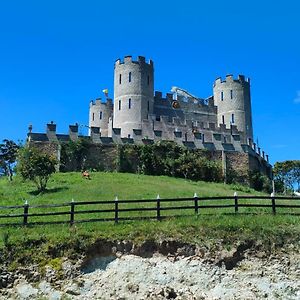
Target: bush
<point>36,166</point>
<point>170,159</point>
<point>260,182</point>
<point>74,155</point>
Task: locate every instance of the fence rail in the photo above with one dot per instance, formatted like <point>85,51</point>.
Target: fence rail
<point>121,210</point>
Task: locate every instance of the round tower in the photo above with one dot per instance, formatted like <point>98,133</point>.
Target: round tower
<point>100,112</point>
<point>232,97</point>
<point>133,94</point>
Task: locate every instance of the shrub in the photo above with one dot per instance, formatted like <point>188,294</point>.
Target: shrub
<point>36,166</point>
<point>260,182</point>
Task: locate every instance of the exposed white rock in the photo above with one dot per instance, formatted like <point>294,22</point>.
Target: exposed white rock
<point>161,277</point>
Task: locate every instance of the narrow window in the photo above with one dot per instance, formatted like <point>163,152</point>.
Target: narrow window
<point>129,77</point>
<point>129,136</point>
<point>223,120</point>
<point>93,117</point>
<point>119,104</point>
<point>148,106</point>
<point>120,79</point>
<point>129,103</point>
<point>100,115</point>
<point>148,80</point>
<point>232,118</point>
<point>231,94</point>
<point>222,96</point>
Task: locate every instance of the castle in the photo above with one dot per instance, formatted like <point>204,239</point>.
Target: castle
<point>221,123</point>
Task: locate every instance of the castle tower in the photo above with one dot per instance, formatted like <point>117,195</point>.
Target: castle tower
<point>133,94</point>
<point>100,112</point>
<point>232,97</point>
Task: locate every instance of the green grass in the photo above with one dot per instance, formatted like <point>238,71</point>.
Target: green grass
<point>204,229</point>
<point>64,187</point>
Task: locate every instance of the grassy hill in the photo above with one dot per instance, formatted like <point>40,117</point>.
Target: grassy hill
<point>204,228</point>
<point>106,186</point>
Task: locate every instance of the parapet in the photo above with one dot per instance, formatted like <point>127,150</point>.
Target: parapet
<point>128,60</point>
<point>99,102</point>
<point>229,78</point>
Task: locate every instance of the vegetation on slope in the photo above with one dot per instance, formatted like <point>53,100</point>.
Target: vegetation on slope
<point>34,244</point>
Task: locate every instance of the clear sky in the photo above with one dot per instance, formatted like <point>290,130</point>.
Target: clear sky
<point>55,56</point>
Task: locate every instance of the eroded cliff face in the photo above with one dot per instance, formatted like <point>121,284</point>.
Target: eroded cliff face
<point>161,270</point>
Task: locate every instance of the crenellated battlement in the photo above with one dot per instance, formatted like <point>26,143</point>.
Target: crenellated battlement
<point>100,102</point>
<point>128,60</point>
<point>230,78</point>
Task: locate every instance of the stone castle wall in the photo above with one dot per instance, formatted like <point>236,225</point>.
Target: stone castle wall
<point>135,104</point>
<point>104,157</point>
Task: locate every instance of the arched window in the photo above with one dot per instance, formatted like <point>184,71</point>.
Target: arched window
<point>129,103</point>
<point>129,77</point>
<point>120,79</point>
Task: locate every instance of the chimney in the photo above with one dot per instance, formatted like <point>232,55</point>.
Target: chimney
<point>73,132</point>
<point>51,131</point>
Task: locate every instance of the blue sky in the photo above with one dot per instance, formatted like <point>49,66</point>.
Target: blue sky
<point>55,56</point>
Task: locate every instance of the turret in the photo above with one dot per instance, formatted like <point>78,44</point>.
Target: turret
<point>100,112</point>
<point>133,93</point>
<point>232,97</point>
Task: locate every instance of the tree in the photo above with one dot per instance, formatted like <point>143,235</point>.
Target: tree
<point>36,166</point>
<point>296,174</point>
<point>287,174</point>
<point>74,155</point>
<point>8,156</point>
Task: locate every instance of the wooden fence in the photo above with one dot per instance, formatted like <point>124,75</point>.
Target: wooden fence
<point>120,210</point>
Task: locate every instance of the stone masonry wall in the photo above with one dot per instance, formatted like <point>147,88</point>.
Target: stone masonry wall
<point>105,158</point>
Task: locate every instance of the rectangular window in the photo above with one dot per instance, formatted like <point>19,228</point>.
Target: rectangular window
<point>129,103</point>
<point>223,120</point>
<point>120,79</point>
<point>148,80</point>
<point>232,118</point>
<point>93,117</point>
<point>129,77</point>
<point>100,115</point>
<point>231,94</point>
<point>222,96</point>
<point>148,106</point>
<point>119,104</point>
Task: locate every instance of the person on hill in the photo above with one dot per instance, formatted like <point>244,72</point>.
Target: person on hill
<point>86,175</point>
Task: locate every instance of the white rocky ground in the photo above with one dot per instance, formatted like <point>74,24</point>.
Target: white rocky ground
<point>171,277</point>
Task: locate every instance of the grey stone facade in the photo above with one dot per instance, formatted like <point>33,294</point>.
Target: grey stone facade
<point>222,121</point>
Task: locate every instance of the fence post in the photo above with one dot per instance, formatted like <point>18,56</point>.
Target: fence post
<point>72,213</point>
<point>196,203</point>
<point>273,203</point>
<point>25,216</point>
<point>236,205</point>
<point>116,210</point>
<point>158,208</point>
